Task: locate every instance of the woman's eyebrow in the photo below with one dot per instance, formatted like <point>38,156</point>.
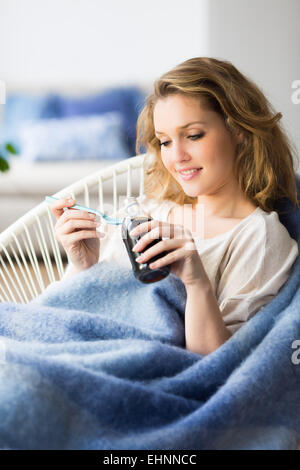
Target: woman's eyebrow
<point>185,126</point>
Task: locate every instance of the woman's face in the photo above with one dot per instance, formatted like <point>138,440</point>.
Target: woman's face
<point>205,144</point>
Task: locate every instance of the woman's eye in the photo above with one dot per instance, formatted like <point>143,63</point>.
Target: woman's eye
<point>196,137</point>
<point>192,137</point>
<point>161,144</point>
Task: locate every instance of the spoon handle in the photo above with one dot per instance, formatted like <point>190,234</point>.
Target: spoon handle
<point>107,218</point>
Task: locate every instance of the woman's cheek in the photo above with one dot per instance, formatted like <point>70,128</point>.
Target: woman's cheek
<point>165,162</point>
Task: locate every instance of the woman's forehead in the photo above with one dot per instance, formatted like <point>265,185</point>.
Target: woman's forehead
<point>179,114</point>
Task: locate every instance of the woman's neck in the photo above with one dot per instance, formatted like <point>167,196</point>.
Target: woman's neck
<point>226,203</point>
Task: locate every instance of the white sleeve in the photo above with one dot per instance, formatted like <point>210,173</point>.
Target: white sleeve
<point>259,266</point>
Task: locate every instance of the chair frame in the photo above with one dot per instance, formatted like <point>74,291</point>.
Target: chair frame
<point>20,270</point>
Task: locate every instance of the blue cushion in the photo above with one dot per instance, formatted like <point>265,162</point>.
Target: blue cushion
<point>77,138</point>
<point>20,108</point>
<point>126,100</point>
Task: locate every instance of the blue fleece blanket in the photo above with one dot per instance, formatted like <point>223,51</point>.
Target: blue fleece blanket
<point>99,362</point>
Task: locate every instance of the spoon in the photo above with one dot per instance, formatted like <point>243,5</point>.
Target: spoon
<point>107,218</point>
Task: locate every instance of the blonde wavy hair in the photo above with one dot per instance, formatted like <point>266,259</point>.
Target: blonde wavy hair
<point>264,163</point>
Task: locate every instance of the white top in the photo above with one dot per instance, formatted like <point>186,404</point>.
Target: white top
<point>246,266</point>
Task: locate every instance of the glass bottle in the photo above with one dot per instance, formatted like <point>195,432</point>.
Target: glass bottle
<point>141,271</point>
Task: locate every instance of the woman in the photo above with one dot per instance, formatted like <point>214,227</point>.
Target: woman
<point>218,160</point>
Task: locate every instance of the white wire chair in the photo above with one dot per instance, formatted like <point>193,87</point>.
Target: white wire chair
<point>30,256</point>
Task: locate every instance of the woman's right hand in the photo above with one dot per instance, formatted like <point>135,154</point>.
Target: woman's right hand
<point>76,231</point>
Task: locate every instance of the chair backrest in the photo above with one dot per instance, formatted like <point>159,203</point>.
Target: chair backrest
<point>31,258</point>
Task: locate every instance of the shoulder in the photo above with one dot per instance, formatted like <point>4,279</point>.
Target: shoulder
<point>265,227</point>
<point>281,250</point>
<point>264,239</point>
<point>274,233</point>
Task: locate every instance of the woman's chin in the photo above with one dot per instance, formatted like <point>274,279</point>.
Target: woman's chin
<point>190,188</point>
<point>191,192</point>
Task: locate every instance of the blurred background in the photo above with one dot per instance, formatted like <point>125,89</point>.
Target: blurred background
<point>77,73</point>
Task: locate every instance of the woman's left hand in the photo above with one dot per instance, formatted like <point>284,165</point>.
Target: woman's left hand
<point>183,257</point>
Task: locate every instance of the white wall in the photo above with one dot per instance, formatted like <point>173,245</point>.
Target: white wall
<point>87,42</point>
<point>262,39</point>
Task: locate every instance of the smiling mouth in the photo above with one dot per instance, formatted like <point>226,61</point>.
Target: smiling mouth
<point>187,175</point>
<point>189,170</point>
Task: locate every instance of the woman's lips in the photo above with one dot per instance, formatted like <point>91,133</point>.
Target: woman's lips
<point>189,176</point>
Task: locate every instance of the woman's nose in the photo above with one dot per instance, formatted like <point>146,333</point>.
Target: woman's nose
<point>179,152</point>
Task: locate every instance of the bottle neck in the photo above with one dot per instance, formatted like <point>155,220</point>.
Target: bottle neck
<point>132,207</point>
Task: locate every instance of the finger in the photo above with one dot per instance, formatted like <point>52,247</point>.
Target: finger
<point>76,237</point>
<point>74,214</point>
<point>57,208</point>
<point>71,214</point>
<point>143,227</point>
<point>164,245</point>
<point>170,258</point>
<point>74,225</point>
<point>186,244</point>
<point>166,230</point>
<point>163,227</point>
